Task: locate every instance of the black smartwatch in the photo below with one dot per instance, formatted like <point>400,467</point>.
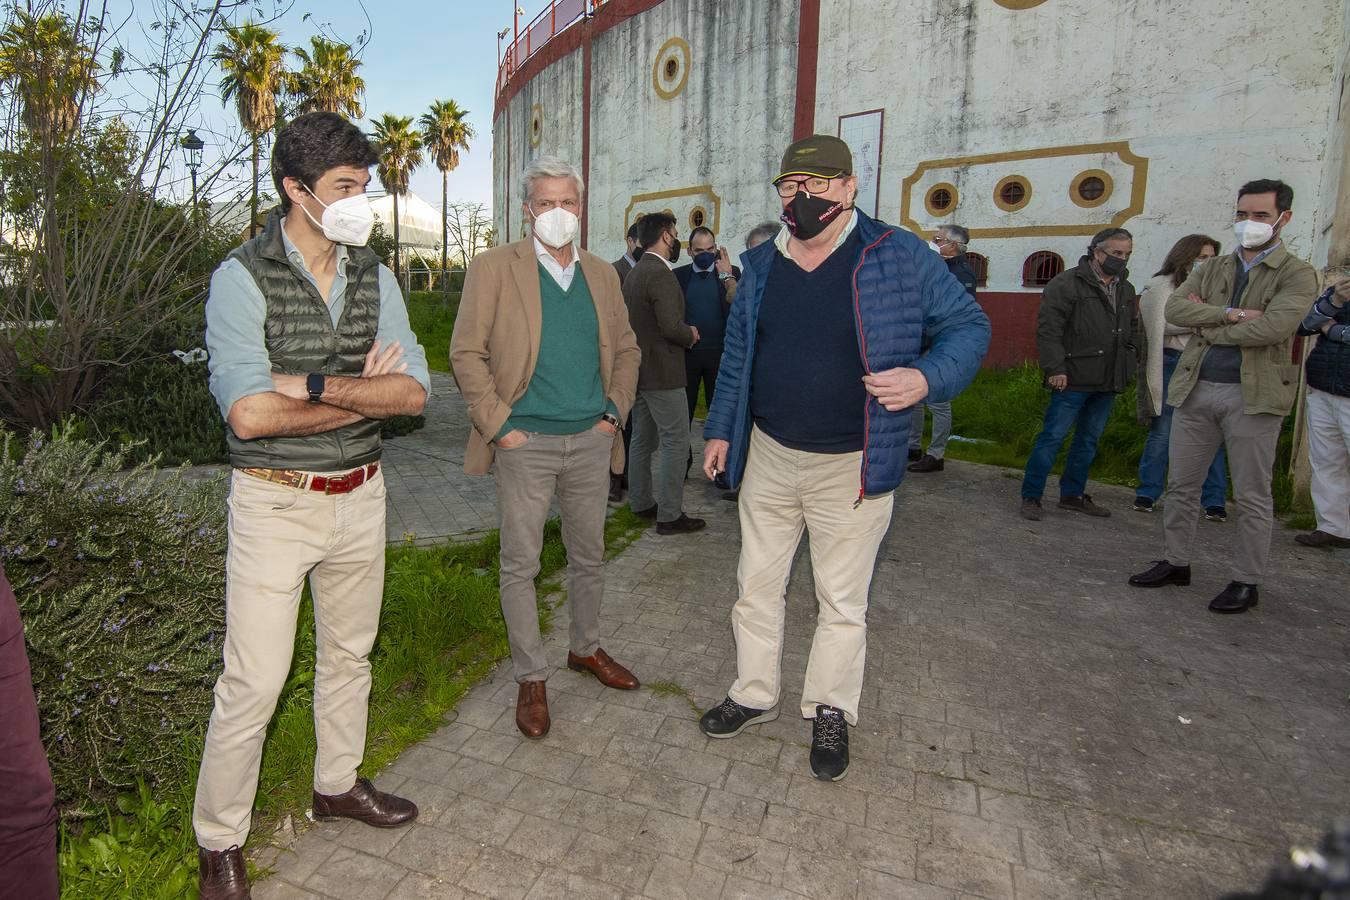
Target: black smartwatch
<point>314,383</point>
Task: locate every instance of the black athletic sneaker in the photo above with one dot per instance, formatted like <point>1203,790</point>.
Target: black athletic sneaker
<point>829,744</point>
<point>1143,504</point>
<point>1216,514</point>
<point>728,719</point>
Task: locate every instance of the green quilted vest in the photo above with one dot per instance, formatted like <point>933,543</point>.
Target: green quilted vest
<point>300,338</point>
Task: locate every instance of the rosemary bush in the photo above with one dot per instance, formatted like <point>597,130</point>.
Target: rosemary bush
<point>120,578</point>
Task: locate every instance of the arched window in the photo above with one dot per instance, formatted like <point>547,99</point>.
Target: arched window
<point>1040,267</point>
<point>979,264</point>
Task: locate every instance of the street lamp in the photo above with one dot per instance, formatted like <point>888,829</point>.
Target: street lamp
<point>192,147</point>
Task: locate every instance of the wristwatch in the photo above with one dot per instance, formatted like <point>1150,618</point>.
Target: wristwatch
<point>314,383</point>
<point>725,276</point>
<point>610,418</point>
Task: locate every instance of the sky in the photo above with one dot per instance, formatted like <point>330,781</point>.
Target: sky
<point>417,51</point>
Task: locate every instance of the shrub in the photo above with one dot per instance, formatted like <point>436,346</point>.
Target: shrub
<point>161,407</point>
<point>119,576</point>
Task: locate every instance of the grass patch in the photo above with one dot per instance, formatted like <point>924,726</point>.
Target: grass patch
<point>432,317</point>
<point>1003,410</point>
<point>674,689</point>
<point>441,630</point>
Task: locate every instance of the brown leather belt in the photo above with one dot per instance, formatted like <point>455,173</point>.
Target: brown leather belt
<point>324,484</point>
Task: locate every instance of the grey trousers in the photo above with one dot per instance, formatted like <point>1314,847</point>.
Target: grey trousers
<point>576,467</point>
<point>1212,415</point>
<point>660,429</point>
<point>942,428</point>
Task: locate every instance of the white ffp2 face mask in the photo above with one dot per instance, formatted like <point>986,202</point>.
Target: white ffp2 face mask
<point>1252,234</point>
<point>557,227</point>
<point>346,221</point>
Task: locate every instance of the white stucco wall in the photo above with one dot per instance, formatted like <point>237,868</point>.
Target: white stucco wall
<point>1212,94</point>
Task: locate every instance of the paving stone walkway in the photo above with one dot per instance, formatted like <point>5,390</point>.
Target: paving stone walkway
<point>1031,726</point>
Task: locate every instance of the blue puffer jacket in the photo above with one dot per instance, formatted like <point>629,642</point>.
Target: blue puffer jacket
<point>903,297</point>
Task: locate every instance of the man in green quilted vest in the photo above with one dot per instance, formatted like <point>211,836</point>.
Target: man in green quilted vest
<point>548,367</point>
<point>310,349</point>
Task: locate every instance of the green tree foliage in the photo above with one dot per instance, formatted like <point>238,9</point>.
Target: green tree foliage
<point>326,80</point>
<point>400,150</point>
<point>444,133</point>
<point>252,59</point>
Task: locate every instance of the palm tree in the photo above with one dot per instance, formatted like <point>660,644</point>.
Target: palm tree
<point>253,60</point>
<point>327,79</point>
<point>400,152</point>
<point>51,71</point>
<point>444,134</point>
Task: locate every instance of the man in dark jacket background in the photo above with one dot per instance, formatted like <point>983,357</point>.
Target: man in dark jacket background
<point>1086,337</point>
<point>951,242</point>
<point>822,367</point>
<point>1329,412</point>
<point>660,422</point>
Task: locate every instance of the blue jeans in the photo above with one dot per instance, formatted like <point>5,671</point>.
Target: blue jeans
<point>1153,464</point>
<point>1086,413</point>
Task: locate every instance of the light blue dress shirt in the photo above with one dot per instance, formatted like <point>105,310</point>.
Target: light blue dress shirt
<point>236,310</point>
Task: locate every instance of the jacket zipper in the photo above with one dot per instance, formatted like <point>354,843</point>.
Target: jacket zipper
<point>862,350</point>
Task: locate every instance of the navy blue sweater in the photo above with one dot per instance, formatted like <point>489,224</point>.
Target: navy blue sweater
<point>806,389</point>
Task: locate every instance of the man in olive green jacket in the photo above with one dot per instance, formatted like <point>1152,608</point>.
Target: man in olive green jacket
<point>1234,384</point>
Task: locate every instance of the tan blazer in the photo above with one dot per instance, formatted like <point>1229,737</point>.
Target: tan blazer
<point>496,341</point>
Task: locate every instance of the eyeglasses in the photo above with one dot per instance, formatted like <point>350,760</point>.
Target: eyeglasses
<point>542,206</point>
<point>787,188</point>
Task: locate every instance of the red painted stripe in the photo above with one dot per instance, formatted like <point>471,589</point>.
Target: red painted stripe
<point>808,52</point>
<point>614,12</point>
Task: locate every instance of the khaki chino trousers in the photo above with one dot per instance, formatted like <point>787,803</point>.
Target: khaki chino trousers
<point>783,493</point>
<point>1212,416</point>
<point>278,537</point>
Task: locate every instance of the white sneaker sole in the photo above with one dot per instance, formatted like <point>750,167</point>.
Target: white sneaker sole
<point>767,716</point>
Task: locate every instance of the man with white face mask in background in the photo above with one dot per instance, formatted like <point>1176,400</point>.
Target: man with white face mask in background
<point>310,349</point>
<point>548,367</point>
<point>1234,384</point>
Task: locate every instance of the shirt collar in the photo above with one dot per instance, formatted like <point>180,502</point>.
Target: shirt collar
<point>780,240</point>
<point>294,255</point>
<point>1246,266</point>
<point>544,256</point>
<point>629,258</point>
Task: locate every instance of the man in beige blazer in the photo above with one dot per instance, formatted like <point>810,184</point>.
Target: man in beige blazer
<point>548,366</point>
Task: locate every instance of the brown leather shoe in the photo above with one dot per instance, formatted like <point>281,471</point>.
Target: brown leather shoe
<point>365,804</point>
<point>532,709</point>
<point>603,667</point>
<point>222,874</point>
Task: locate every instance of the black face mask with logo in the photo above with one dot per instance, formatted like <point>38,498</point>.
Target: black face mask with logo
<point>807,216</point>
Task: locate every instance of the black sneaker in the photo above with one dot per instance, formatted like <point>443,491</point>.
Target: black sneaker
<point>683,525</point>
<point>915,454</point>
<point>829,744</point>
<point>1216,514</point>
<point>927,464</point>
<point>1143,504</point>
<point>728,719</point>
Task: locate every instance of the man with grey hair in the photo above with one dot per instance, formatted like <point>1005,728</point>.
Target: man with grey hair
<point>548,366</point>
<point>951,241</point>
<point>762,232</point>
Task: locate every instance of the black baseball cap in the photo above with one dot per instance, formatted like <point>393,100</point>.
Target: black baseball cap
<point>820,155</point>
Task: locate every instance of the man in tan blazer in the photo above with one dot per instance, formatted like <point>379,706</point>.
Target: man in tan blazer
<point>548,366</point>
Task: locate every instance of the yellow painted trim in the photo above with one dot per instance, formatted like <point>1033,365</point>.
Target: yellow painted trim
<point>1076,187</point>
<point>683,46</point>
<point>1138,188</point>
<point>1019,4</point>
<point>951,208</point>
<point>678,192</point>
<point>536,117</point>
<point>1004,182</point>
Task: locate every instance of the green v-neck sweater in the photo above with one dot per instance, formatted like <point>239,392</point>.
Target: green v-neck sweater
<point>565,394</point>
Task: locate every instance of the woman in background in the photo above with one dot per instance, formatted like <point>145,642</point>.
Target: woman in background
<point>1162,346</point>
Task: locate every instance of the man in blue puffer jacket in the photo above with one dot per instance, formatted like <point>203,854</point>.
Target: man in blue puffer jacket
<point>821,367</point>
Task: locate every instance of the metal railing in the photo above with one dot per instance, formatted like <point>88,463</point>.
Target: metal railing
<point>557,17</point>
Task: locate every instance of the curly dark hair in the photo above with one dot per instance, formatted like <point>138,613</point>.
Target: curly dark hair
<point>310,145</point>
